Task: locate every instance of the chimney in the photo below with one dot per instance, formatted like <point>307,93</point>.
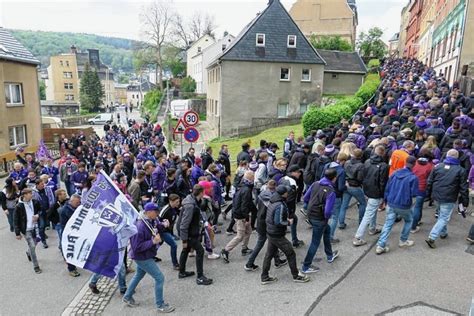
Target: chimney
<point>73,49</point>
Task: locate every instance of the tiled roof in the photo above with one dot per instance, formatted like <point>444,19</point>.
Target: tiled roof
<point>12,49</point>
<point>276,24</point>
<point>342,61</point>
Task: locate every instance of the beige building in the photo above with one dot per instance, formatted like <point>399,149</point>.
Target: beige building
<point>65,72</point>
<point>19,97</point>
<point>121,93</point>
<point>277,71</point>
<point>327,18</point>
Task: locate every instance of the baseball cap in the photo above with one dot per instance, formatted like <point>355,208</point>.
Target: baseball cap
<point>150,206</point>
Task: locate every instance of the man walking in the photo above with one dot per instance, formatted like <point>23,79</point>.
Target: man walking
<point>446,183</point>
<point>242,207</point>
<point>320,199</point>
<point>402,187</point>
<point>65,214</point>
<point>375,180</point>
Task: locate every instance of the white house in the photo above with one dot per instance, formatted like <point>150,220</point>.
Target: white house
<point>211,53</point>
<point>195,67</point>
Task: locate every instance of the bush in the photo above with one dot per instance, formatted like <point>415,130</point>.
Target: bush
<point>188,84</point>
<point>318,118</point>
<point>373,65</point>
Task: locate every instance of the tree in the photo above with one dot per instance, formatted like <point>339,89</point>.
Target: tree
<point>92,91</point>
<point>157,19</point>
<point>330,43</point>
<point>173,61</point>
<point>187,31</point>
<point>42,88</point>
<point>123,78</point>
<point>188,84</point>
<point>371,45</point>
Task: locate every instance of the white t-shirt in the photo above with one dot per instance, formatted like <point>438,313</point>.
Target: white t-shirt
<point>30,212</point>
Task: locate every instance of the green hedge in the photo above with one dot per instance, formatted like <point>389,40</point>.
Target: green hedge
<point>320,117</point>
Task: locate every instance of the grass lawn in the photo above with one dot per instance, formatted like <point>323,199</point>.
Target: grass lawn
<point>274,135</point>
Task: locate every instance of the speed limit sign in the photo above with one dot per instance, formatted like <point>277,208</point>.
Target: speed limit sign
<point>191,118</point>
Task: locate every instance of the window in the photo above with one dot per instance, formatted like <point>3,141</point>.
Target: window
<point>282,110</point>
<point>285,74</point>
<point>69,97</point>
<point>224,46</point>
<point>133,96</point>
<point>335,76</point>
<point>306,75</point>
<point>13,94</point>
<point>68,86</point>
<point>67,74</point>
<point>199,49</point>
<point>291,41</point>
<point>217,108</point>
<point>260,40</point>
<point>67,63</point>
<point>303,108</point>
<point>61,63</point>
<point>17,135</point>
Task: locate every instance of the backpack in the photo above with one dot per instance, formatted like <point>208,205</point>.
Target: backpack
<point>315,167</point>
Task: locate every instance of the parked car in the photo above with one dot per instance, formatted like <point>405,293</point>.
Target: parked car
<point>104,118</point>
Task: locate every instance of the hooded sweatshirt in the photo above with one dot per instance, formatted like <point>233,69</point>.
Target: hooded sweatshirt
<point>402,186</point>
<point>422,170</point>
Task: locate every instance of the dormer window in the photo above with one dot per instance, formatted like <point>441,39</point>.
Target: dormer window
<point>224,46</point>
<point>199,49</point>
<point>291,41</point>
<point>260,40</point>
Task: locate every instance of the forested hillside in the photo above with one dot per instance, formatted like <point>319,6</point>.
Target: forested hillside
<point>114,52</point>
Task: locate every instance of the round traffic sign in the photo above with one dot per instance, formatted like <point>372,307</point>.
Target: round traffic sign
<point>191,134</point>
<point>191,118</point>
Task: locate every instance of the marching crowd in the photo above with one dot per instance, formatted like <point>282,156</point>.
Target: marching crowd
<point>412,146</point>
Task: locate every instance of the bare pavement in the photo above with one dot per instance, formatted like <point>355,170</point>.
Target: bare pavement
<point>415,281</point>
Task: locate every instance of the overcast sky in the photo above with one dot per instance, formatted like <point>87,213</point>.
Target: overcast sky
<point>120,18</point>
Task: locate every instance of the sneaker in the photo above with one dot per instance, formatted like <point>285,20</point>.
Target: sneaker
<point>130,302</point>
<point>165,309</point>
<point>380,250</point>
<point>94,289</point>
<point>74,273</point>
<point>414,231</point>
<point>250,268</point>
<point>443,236</point>
<point>343,226</point>
<point>45,245</point>
<point>298,243</point>
<point>213,256</point>
<point>436,215</point>
<point>230,232</point>
<point>406,243</point>
<point>280,263</point>
<point>225,255</point>
<point>176,267</point>
<point>28,256</point>
<point>37,270</point>
<point>310,269</point>
<point>335,254</point>
<point>335,241</point>
<point>123,291</point>
<point>268,280</point>
<point>159,259</point>
<point>431,243</point>
<point>374,231</point>
<point>304,212</point>
<point>358,242</point>
<point>470,240</point>
<point>185,274</point>
<point>246,251</point>
<point>203,281</point>
<point>301,278</point>
<point>309,223</point>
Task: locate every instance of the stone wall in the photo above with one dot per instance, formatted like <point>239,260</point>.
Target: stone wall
<point>260,124</point>
<point>199,105</point>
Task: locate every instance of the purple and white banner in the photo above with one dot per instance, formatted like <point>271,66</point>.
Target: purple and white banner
<point>96,235</point>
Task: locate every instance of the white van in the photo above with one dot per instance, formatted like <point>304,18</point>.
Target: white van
<point>104,118</point>
<point>179,107</point>
<point>51,122</point>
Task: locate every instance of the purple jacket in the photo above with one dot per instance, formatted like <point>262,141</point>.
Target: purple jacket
<point>79,177</point>
<point>159,178</point>
<point>142,246</point>
<point>196,173</point>
<point>18,176</point>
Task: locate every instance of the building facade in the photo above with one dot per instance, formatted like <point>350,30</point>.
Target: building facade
<point>404,19</point>
<point>137,91</point>
<point>413,29</point>
<point>393,45</point>
<point>19,96</point>
<point>210,53</point>
<point>327,18</point>
<point>194,59</point>
<point>277,71</point>
<point>121,93</point>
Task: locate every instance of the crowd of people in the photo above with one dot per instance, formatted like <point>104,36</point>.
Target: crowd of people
<point>410,148</point>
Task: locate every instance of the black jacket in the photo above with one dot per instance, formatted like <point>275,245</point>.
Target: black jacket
<point>242,203</point>
<point>19,217</point>
<point>53,212</point>
<point>226,161</point>
<point>448,181</point>
<point>263,201</point>
<point>299,159</point>
<point>243,155</point>
<point>375,177</point>
<point>354,169</point>
<point>189,222</point>
<point>206,160</point>
<point>277,217</point>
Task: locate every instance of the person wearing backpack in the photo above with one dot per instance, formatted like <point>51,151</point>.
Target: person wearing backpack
<point>402,188</point>
<point>261,175</point>
<point>315,165</point>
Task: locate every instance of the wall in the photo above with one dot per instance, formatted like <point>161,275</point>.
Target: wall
<point>194,67</point>
<point>254,90</point>
<point>56,79</point>
<point>213,95</point>
<point>344,83</point>
<point>210,54</point>
<point>29,113</point>
<point>325,17</point>
<point>467,46</point>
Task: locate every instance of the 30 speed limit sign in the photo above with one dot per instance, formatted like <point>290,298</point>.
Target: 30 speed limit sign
<point>191,118</point>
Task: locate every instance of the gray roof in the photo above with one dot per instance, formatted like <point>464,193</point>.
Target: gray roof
<point>337,61</point>
<point>11,49</point>
<point>276,24</point>
<point>146,86</point>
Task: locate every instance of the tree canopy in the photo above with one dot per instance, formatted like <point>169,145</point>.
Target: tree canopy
<point>330,43</point>
<point>371,45</point>
<point>92,91</point>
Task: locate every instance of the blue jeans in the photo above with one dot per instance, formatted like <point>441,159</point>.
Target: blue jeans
<point>121,278</point>
<point>370,217</point>
<point>335,216</point>
<point>59,231</point>
<point>358,194</point>
<point>294,236</point>
<point>42,227</point>
<point>10,219</point>
<point>169,239</point>
<point>418,209</point>
<point>441,226</point>
<point>392,214</point>
<point>320,229</point>
<point>151,267</point>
